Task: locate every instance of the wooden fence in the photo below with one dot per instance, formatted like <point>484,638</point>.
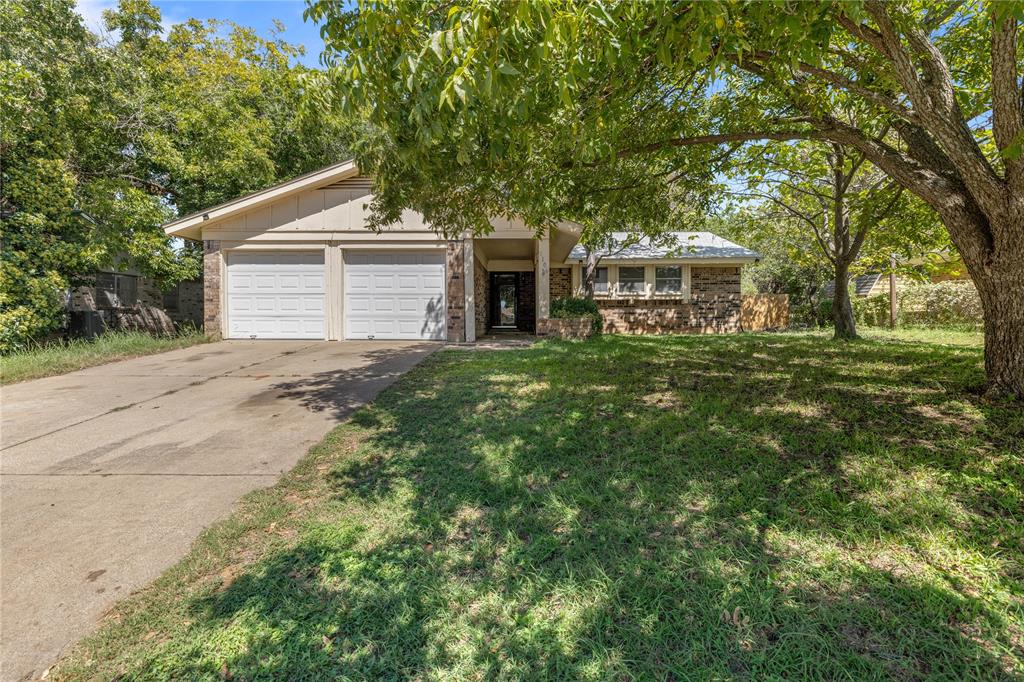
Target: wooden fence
<point>764,311</point>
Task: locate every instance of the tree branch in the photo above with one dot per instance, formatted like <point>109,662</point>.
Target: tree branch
<point>856,88</point>
<point>1007,122</point>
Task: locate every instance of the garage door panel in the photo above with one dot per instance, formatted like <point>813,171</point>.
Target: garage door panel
<point>410,283</point>
<point>396,295</point>
<point>358,304</point>
<point>410,304</point>
<point>276,295</point>
<point>382,304</point>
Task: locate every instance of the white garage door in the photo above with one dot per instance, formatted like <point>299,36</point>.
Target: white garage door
<point>276,295</point>
<point>394,295</point>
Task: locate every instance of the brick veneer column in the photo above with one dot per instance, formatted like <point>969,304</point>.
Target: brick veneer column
<point>211,287</point>
<point>542,270</point>
<point>561,283</point>
<point>455,292</point>
<point>481,294</point>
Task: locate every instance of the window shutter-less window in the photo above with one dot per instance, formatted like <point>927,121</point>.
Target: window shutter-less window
<point>668,279</point>
<point>631,280</point>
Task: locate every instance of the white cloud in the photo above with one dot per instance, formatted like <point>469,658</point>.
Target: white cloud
<point>92,13</point>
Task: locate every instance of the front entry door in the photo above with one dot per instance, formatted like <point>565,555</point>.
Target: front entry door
<point>504,300</point>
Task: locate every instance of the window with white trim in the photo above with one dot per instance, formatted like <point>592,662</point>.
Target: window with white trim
<point>601,281</point>
<point>668,279</point>
<point>631,279</point>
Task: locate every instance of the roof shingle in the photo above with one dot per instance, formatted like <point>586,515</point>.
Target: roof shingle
<point>681,245</point>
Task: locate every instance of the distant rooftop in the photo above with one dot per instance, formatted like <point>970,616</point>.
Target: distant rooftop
<point>682,245</point>
<point>863,284</point>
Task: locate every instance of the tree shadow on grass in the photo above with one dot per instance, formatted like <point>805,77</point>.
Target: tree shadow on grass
<point>729,507</point>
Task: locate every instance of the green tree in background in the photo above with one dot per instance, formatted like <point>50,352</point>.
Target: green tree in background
<point>102,140</point>
<point>507,94</point>
<point>840,208</point>
<point>790,262</point>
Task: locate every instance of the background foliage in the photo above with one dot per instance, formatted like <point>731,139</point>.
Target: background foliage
<point>105,138</point>
<point>929,305</point>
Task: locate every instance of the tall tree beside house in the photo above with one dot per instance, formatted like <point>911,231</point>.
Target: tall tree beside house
<point>105,138</point>
<point>846,207</point>
<point>790,262</point>
<point>516,91</point>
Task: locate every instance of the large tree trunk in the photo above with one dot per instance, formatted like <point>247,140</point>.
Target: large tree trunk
<point>842,308</point>
<point>993,251</point>
<point>1002,299</point>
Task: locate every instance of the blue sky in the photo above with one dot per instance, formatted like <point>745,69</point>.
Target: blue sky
<point>257,14</point>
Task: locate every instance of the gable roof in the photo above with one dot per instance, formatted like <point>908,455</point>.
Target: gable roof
<point>189,226</point>
<point>672,245</point>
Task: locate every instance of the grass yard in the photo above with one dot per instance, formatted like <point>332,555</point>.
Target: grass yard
<point>731,507</point>
<point>61,358</point>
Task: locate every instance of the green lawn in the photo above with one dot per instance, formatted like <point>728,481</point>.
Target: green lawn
<point>772,506</point>
<point>60,358</point>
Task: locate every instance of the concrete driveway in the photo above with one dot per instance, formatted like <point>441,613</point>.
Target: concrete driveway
<point>108,474</point>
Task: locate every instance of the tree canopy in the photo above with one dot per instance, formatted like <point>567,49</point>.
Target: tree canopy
<point>103,138</point>
<point>829,200</point>
<point>527,105</point>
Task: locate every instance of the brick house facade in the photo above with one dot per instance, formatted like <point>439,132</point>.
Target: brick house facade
<point>712,307</point>
<point>299,261</point>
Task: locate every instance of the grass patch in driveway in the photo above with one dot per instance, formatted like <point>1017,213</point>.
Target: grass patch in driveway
<point>730,507</point>
<point>60,358</point>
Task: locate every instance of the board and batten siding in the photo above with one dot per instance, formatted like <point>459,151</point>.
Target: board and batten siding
<point>334,212</point>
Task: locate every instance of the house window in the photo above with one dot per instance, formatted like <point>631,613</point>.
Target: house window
<point>668,279</point>
<point>127,289</point>
<point>631,280</point>
<point>601,281</point>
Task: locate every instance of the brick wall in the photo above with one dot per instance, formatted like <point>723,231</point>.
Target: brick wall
<point>713,307</point>
<point>566,328</point>
<point>211,287</point>
<point>184,303</point>
<point>455,292</point>
<point>714,281</point>
<point>527,303</point>
<point>481,296</point>
<point>560,284</point>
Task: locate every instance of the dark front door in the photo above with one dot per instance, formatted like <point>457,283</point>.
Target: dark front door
<point>504,300</point>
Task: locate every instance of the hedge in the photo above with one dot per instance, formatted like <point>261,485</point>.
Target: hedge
<point>952,302</point>
<point>562,308</point>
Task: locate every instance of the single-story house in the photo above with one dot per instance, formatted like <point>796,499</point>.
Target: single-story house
<point>297,261</point>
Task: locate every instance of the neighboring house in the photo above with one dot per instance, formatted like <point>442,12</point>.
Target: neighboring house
<point>868,284</point>
<point>877,283</point>
<point>297,261</point>
<point>123,299</point>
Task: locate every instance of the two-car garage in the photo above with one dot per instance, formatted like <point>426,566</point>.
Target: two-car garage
<point>286,295</point>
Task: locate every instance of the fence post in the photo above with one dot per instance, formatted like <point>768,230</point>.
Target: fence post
<point>892,291</point>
